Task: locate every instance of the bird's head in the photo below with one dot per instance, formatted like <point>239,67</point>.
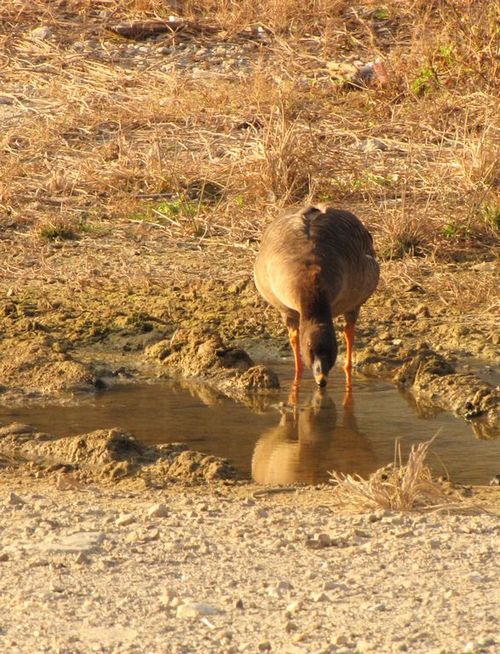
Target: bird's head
<point>318,345</point>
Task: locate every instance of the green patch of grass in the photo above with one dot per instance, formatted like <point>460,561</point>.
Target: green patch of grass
<point>424,82</point>
<point>180,211</point>
<point>446,54</point>
<point>179,207</point>
<point>449,230</point>
<point>382,13</point>
<point>491,215</point>
<point>58,231</point>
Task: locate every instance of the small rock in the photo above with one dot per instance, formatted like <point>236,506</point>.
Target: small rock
<point>284,585</point>
<point>264,646</point>
<point>41,33</point>
<point>319,597</point>
<point>318,541</point>
<point>293,607</point>
<point>16,500</point>
<point>422,311</point>
<point>4,556</point>
<point>370,145</point>
<point>435,544</point>
<point>196,610</point>
<point>166,597</point>
<point>124,520</point>
<point>158,510</point>
<point>330,585</point>
<point>83,541</point>
<point>341,640</point>
<point>239,604</point>
<point>82,558</point>
<point>375,517</point>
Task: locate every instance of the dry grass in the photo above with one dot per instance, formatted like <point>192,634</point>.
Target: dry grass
<point>97,135</point>
<point>399,487</point>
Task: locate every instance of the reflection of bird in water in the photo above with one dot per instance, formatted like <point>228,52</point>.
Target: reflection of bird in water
<point>308,444</point>
<point>316,263</point>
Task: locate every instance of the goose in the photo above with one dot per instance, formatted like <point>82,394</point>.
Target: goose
<point>316,263</point>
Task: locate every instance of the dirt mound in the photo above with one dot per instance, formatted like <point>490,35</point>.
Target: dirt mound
<point>38,367</point>
<point>434,382</point>
<point>204,355</point>
<point>110,454</point>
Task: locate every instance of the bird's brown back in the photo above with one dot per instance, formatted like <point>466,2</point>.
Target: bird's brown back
<point>316,248</point>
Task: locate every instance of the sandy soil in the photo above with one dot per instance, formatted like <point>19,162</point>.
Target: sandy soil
<point>236,569</point>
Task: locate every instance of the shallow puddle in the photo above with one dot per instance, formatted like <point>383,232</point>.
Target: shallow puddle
<point>275,446</point>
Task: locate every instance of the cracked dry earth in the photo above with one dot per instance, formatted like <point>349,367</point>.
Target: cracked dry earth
<point>227,569</point>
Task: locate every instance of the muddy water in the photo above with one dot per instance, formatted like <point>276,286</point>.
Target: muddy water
<point>328,431</point>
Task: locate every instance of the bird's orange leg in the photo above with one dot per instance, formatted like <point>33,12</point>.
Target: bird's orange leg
<point>349,342</point>
<point>293,335</point>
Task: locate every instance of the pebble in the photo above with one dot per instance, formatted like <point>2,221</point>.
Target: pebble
<point>41,33</point>
<point>158,511</point>
<point>16,500</point>
<point>80,542</point>
<point>318,541</point>
<point>4,556</point>
<point>82,558</point>
<point>293,607</point>
<point>331,585</point>
<point>319,597</point>
<point>196,610</point>
<point>264,646</point>
<point>124,520</point>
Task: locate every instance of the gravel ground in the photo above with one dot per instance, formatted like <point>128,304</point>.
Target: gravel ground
<point>227,570</point>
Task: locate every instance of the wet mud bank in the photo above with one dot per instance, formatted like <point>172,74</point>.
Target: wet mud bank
<point>204,356</point>
<point>218,336</point>
<point>107,456</point>
<point>435,384</point>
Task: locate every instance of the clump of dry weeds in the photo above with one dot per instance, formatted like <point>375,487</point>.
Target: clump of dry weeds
<point>399,486</point>
<point>96,133</point>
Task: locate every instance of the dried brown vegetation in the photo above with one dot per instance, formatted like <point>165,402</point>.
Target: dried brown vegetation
<point>99,136</point>
<point>400,486</point>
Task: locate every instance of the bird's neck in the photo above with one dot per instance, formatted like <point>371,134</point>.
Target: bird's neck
<point>315,306</point>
